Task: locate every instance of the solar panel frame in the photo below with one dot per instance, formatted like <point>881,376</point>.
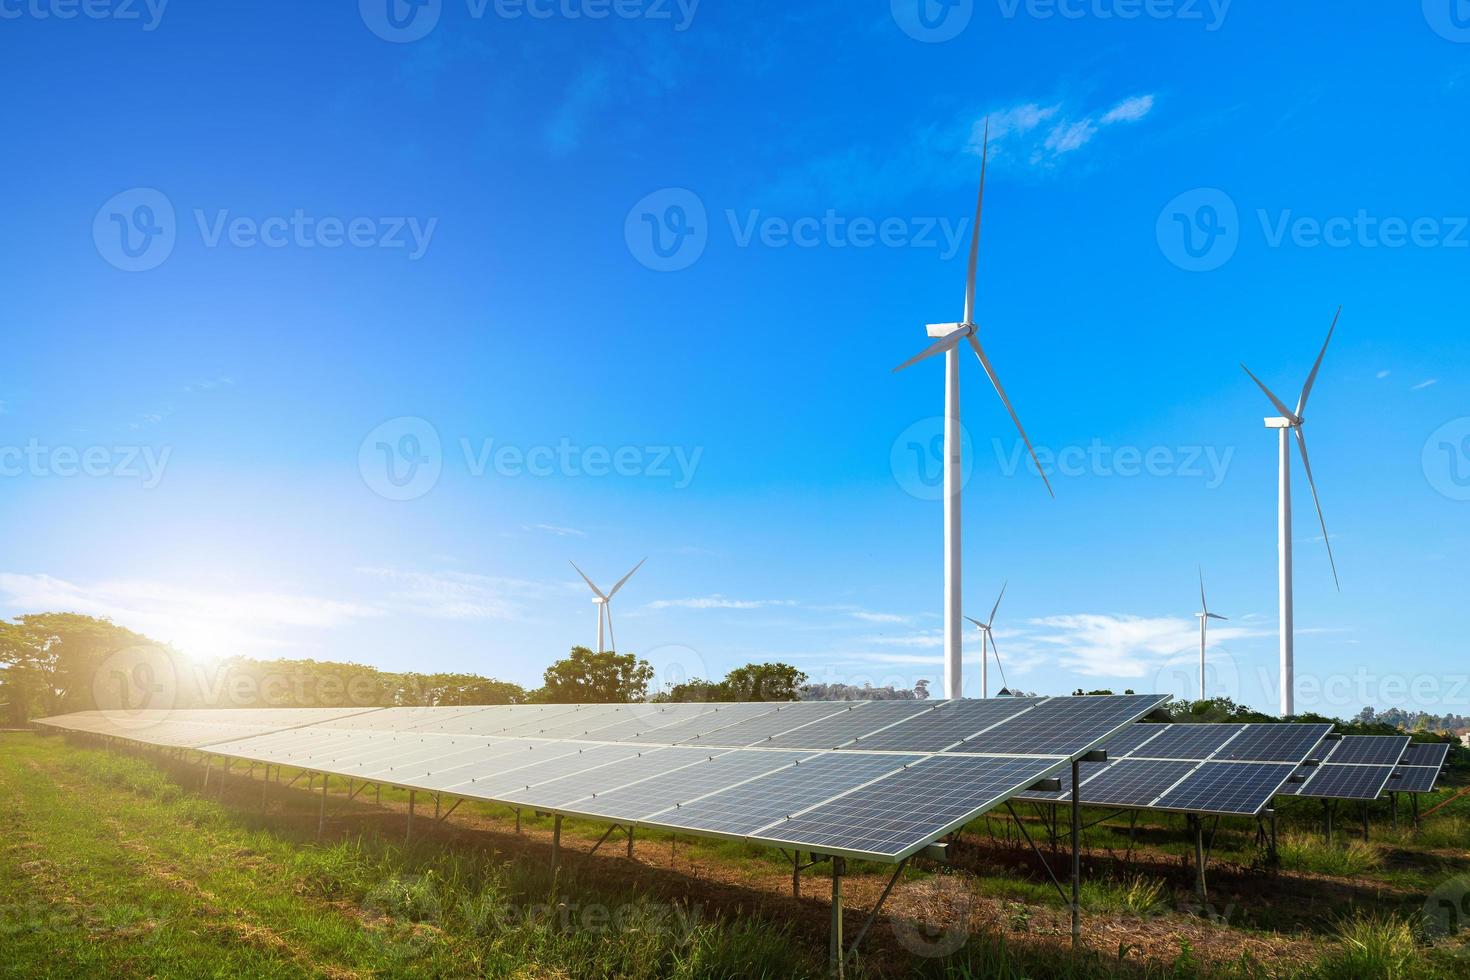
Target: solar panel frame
<point>1351,781</point>
<point>1223,789</point>
<point>1419,754</point>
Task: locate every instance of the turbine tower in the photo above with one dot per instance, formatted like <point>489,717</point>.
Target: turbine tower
<point>987,643</point>
<point>950,335</point>
<point>603,600</point>
<point>1287,424</point>
<point>1204,616</point>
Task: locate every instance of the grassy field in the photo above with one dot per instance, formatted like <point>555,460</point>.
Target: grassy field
<point>114,864</point>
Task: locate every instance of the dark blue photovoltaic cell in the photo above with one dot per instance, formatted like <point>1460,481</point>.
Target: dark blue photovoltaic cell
<point>1196,742</point>
<point>1370,750</point>
<point>1243,788</point>
<point>865,717</point>
<point>902,812</point>
<point>1063,726</point>
<point>1134,738</point>
<point>1414,779</point>
<point>759,731</point>
<point>651,796</point>
<point>1133,782</point>
<point>1426,754</point>
<point>941,728</point>
<point>745,809</point>
<point>1349,782</point>
<point>1273,743</point>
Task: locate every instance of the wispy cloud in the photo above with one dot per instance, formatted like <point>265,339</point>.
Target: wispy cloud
<point>1425,384</point>
<point>717,602</point>
<point>877,617</point>
<point>1098,645</point>
<point>562,532</point>
<point>1382,374</point>
<point>1044,135</point>
<point>455,595</point>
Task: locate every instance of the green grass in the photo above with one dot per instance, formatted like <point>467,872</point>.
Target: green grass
<point>1341,858</point>
<point>1373,947</point>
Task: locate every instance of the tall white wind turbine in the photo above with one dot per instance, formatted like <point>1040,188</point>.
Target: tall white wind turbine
<point>950,335</point>
<point>1205,616</point>
<point>987,643</point>
<point>1287,424</point>
<point>603,601</point>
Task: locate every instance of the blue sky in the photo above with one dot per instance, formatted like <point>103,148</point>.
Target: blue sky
<point>627,280</point>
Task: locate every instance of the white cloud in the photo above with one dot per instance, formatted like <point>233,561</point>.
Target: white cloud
<point>874,617</point>
<point>1124,646</point>
<point>1383,374</point>
<point>717,602</point>
<point>562,532</point>
<point>1018,132</point>
<point>455,595</point>
<point>1129,110</point>
<point>1425,384</point>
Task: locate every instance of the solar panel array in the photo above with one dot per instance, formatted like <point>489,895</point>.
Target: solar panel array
<point>878,780</point>
<point>1420,767</point>
<point>1358,767</point>
<point>1226,770</point>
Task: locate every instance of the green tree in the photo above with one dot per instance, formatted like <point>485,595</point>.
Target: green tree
<point>596,678</point>
<point>53,659</point>
<point>764,682</point>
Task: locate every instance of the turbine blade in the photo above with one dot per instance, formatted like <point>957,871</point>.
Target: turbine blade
<point>996,650</point>
<point>612,641</point>
<point>976,621</point>
<point>975,231</point>
<point>624,579</point>
<point>997,602</point>
<point>1301,442</point>
<point>1280,405</point>
<point>594,588</point>
<point>1213,616</point>
<point>938,347</point>
<point>1202,603</point>
<point>1312,378</point>
<point>990,372</point>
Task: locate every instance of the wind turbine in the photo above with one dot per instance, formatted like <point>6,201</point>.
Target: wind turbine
<point>1204,615</point>
<point>604,604</point>
<point>987,643</point>
<point>1287,424</point>
<point>950,335</point>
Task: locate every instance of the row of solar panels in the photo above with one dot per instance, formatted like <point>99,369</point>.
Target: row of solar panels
<point>1238,769</point>
<point>878,780</point>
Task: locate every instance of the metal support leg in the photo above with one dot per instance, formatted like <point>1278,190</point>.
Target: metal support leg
<point>556,843</point>
<point>1414,805</point>
<point>265,785</point>
<point>795,874</point>
<point>1273,853</point>
<point>877,907</point>
<point>518,820</point>
<point>1363,811</point>
<point>436,807</point>
<point>412,799</point>
<point>1393,808</point>
<point>224,771</point>
<point>835,952</point>
<point>1076,859</point>
<point>1200,888</point>
<point>208,765</point>
<point>630,842</point>
<point>321,814</point>
<point>1327,821</point>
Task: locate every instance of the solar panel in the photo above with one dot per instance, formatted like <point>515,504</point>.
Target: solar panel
<point>742,810</point>
<point>1243,788</point>
<point>949,723</point>
<point>860,719</point>
<point>1198,742</point>
<point>1130,782</point>
<point>758,730</point>
<point>1369,750</point>
<point>1134,739</point>
<point>855,803</point>
<point>1063,726</point>
<point>668,789</point>
<point>899,814</point>
<point>1426,754</point>
<point>1346,782</point>
<point>1414,779</point>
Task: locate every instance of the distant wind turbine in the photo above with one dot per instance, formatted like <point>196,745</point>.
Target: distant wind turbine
<point>604,605</point>
<point>950,335</point>
<point>1205,616</point>
<point>1290,423</point>
<point>987,643</point>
